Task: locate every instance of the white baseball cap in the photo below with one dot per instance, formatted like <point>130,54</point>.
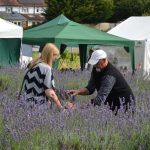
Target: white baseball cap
<point>96,56</point>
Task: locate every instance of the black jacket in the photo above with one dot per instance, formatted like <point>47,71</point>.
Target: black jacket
<point>120,90</point>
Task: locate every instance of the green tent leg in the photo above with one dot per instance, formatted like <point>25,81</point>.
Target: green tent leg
<point>131,49</point>
<point>83,52</point>
<point>62,48</point>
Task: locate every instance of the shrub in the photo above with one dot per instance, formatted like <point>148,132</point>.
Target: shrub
<point>4,82</point>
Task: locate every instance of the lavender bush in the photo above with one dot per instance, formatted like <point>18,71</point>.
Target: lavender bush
<point>28,126</point>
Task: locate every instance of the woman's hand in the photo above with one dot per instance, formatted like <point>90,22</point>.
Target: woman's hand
<point>69,105</point>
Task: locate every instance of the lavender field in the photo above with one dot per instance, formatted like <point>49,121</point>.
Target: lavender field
<point>23,127</point>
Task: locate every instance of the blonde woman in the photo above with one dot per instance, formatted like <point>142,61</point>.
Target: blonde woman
<point>39,81</point>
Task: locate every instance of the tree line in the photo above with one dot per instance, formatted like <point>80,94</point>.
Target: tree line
<point>95,11</point>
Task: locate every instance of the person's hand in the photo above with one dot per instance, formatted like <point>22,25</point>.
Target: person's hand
<point>73,92</point>
<point>69,105</point>
<point>64,111</point>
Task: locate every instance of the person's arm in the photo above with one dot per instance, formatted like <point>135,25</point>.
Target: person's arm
<point>50,93</point>
<point>106,87</point>
<point>91,85</point>
<point>89,89</point>
<point>83,91</point>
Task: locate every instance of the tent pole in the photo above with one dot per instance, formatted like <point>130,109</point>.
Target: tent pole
<point>82,52</point>
<point>131,48</point>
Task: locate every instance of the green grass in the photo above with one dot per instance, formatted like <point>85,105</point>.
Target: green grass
<point>68,138</point>
<point>72,141</point>
<point>4,82</point>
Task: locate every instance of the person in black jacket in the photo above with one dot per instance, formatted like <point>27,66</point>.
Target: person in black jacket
<point>110,84</point>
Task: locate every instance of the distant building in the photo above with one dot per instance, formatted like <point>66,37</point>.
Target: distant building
<point>15,18</point>
<point>23,12</point>
<point>34,19</point>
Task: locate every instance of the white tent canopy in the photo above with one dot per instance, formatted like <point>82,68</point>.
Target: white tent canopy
<point>10,42</point>
<point>137,29</point>
<point>133,28</point>
<point>10,30</point>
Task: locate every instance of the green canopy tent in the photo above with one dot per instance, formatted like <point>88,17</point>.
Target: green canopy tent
<point>63,31</point>
<point>10,42</point>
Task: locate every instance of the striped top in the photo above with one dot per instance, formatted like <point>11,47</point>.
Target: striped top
<point>37,80</point>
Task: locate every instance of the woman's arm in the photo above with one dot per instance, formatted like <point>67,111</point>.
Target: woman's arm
<point>50,93</point>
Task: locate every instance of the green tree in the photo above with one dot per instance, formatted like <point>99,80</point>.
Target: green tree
<point>83,11</point>
<point>103,10</point>
<point>126,8</point>
<point>146,11</point>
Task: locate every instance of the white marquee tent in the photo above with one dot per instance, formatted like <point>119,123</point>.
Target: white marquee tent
<point>10,30</point>
<point>137,29</point>
<point>10,42</point>
<point>11,48</point>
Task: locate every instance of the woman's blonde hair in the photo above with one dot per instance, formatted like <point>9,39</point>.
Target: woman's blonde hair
<point>47,55</point>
